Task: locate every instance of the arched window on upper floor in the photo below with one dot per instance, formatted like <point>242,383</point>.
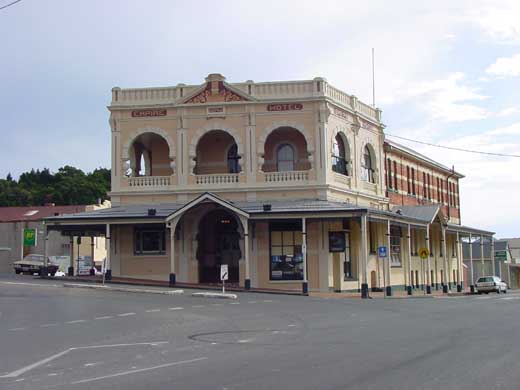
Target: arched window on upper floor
<point>285,158</point>
<point>368,166</point>
<point>339,156</point>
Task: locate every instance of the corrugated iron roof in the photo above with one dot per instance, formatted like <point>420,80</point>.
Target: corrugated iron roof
<point>36,213</point>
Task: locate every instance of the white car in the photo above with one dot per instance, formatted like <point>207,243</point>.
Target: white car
<point>486,284</point>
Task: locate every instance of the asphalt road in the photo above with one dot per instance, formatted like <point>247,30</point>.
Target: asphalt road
<point>64,338</point>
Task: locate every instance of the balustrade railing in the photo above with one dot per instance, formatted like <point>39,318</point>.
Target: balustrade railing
<point>218,178</point>
<point>149,181</point>
<point>288,176</point>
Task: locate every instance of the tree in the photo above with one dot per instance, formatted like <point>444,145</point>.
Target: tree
<point>68,186</point>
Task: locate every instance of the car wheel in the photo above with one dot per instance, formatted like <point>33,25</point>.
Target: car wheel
<point>498,290</point>
<point>487,292</point>
<point>505,291</point>
<point>17,271</point>
<point>479,292</point>
<point>53,273</point>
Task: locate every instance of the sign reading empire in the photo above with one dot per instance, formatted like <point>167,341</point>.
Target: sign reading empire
<point>285,107</point>
<point>144,113</point>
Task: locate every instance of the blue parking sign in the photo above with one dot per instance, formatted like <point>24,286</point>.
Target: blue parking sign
<point>381,251</point>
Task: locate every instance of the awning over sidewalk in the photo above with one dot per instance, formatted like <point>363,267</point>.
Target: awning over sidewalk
<point>264,209</point>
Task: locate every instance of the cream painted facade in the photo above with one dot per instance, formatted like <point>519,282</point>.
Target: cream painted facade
<point>261,176</point>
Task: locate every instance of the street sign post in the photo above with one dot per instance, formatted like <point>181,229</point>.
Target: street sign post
<point>423,254</point>
<point>224,275</point>
<point>382,252</point>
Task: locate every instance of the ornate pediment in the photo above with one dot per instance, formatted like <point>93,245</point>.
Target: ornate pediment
<point>215,91</point>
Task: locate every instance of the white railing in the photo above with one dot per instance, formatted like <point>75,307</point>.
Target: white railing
<point>149,181</point>
<point>366,109</point>
<point>284,177</point>
<point>337,95</point>
<point>218,178</point>
<point>283,89</point>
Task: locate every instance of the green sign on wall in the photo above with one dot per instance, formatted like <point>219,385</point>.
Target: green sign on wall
<point>500,255</point>
<point>29,237</point>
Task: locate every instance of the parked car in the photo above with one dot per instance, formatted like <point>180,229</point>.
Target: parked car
<point>33,264</point>
<point>486,284</point>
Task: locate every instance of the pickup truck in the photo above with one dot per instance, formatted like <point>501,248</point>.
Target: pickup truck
<point>33,264</point>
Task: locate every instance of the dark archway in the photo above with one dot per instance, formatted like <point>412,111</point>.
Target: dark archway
<point>218,243</point>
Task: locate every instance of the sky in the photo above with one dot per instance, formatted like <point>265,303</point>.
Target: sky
<point>447,72</point>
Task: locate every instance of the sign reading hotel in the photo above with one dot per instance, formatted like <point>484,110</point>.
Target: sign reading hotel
<point>285,107</point>
<point>147,113</point>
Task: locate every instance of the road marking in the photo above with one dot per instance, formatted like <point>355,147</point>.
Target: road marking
<point>245,341</point>
<point>52,374</point>
<point>176,308</point>
<point>48,325</point>
<point>23,370</point>
<point>29,284</point>
<point>126,314</point>
<point>251,302</point>
<point>17,329</point>
<point>267,301</point>
<point>235,303</point>
<point>291,325</point>
<point>216,304</point>
<point>74,322</point>
<point>34,365</point>
<point>103,318</point>
<point>139,370</point>
<point>197,306</point>
<point>153,310</point>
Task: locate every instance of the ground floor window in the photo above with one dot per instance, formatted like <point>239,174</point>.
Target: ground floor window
<point>149,240</point>
<point>395,246</point>
<point>286,257</point>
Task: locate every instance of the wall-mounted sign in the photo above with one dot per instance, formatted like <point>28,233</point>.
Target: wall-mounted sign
<point>285,107</point>
<point>342,114</point>
<point>29,237</point>
<point>337,242</point>
<point>215,110</point>
<point>146,113</point>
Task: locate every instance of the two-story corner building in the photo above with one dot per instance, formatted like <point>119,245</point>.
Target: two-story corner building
<point>286,182</point>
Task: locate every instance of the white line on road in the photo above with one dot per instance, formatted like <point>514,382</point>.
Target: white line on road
<point>34,365</point>
<point>139,370</point>
<point>17,329</point>
<point>126,314</point>
<point>103,318</point>
<point>235,303</point>
<point>267,301</point>
<point>153,343</point>
<point>29,284</point>
<point>23,370</point>
<point>74,322</point>
<point>49,325</point>
<point>175,308</point>
<point>251,302</point>
<point>153,310</point>
<point>197,306</point>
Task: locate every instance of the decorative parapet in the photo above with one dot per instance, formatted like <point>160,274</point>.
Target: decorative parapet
<point>258,92</point>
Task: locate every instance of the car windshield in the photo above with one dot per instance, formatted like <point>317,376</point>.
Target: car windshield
<point>485,279</point>
<point>34,257</point>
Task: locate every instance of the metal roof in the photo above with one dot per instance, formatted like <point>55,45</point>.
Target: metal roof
<point>36,213</point>
<point>421,156</point>
<point>424,213</point>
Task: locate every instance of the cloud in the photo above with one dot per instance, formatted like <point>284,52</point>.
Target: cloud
<point>497,19</point>
<point>513,129</point>
<point>505,66</point>
<point>447,99</point>
<point>508,111</point>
